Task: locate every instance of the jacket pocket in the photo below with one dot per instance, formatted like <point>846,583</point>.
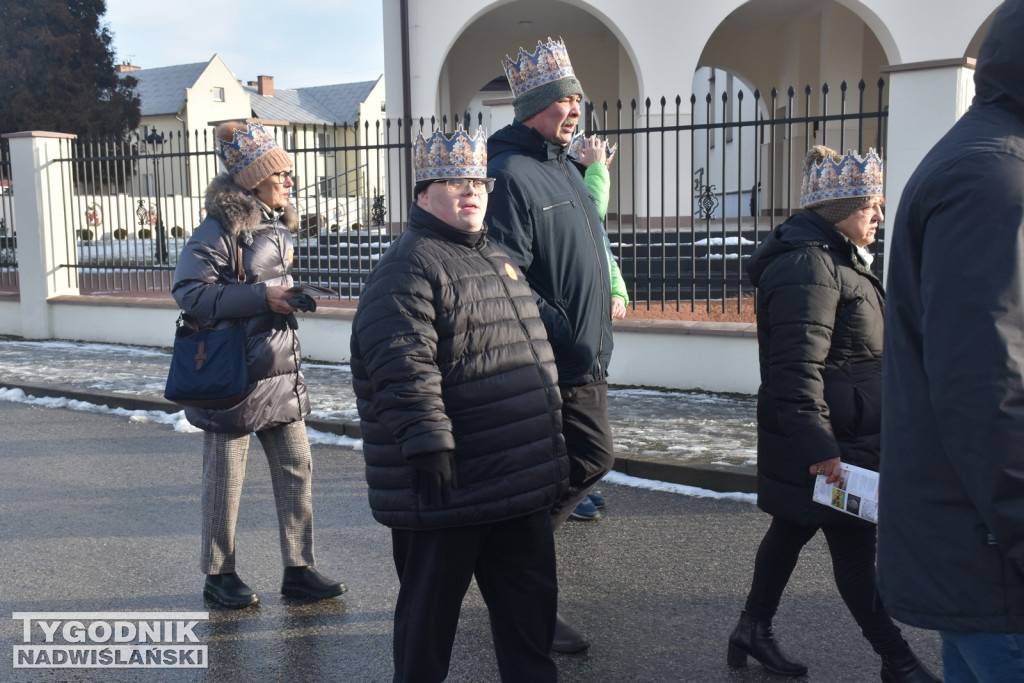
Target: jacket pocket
<point>559,205</point>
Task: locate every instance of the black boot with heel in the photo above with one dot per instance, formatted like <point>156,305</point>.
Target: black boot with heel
<point>903,666</point>
<point>754,638</point>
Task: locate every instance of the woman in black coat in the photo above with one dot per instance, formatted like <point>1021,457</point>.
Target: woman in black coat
<point>819,324</point>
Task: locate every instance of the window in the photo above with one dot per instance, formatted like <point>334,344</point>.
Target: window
<point>731,92</point>
<point>325,186</point>
<point>218,94</point>
<point>713,92</point>
<point>323,141</point>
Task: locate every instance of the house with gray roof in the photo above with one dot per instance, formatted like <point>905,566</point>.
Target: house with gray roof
<point>328,129</point>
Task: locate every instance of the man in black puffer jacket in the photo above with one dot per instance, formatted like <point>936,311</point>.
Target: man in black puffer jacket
<point>458,400</point>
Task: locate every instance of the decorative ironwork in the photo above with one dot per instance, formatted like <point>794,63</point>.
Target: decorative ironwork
<point>707,199</point>
<point>378,212</point>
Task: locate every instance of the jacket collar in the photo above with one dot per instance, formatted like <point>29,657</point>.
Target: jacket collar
<point>422,219</point>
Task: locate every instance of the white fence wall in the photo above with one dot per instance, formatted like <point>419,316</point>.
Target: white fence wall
<point>648,353</point>
<point>662,354</point>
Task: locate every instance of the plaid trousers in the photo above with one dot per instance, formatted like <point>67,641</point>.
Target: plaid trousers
<point>291,473</point>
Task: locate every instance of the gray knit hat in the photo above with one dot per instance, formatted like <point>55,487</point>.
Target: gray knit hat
<point>250,153</point>
<point>540,78</point>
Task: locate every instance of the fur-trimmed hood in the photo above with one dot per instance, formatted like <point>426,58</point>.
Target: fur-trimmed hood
<point>238,210</point>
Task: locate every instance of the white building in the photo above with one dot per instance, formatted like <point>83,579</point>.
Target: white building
<point>632,51</point>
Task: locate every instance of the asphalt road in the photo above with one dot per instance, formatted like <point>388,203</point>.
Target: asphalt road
<point>99,513</point>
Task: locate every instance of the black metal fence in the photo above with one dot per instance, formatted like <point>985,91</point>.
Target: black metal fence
<point>696,185</point>
<point>743,156</point>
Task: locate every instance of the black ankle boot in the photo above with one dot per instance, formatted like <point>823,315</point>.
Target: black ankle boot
<point>903,666</point>
<point>308,583</point>
<point>227,590</point>
<point>755,638</point>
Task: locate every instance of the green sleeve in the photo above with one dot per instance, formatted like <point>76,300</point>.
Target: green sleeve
<point>618,284</point>
<point>598,183</point>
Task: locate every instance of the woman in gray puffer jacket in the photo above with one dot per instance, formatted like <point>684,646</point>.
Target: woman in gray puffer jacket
<point>249,218</point>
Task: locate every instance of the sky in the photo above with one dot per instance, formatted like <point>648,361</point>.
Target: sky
<point>315,42</point>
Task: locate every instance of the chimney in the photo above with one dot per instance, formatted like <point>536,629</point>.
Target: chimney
<point>124,67</point>
<point>266,85</point>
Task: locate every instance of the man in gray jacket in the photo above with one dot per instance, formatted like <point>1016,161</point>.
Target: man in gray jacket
<point>951,519</point>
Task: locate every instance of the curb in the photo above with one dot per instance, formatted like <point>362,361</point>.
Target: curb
<point>720,478</point>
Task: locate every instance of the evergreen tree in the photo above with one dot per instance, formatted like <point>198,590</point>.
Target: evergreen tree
<point>57,70</point>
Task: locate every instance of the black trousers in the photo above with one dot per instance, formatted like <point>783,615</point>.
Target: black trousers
<point>514,565</point>
<point>852,546</point>
<point>588,439</point>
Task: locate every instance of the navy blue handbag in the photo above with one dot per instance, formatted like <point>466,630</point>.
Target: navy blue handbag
<point>208,368</point>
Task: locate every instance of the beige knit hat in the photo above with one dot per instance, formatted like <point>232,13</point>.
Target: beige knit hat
<point>250,153</point>
<point>834,185</point>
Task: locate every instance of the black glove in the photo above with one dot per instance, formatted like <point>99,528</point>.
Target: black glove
<point>302,302</point>
<point>281,321</point>
<point>432,478</point>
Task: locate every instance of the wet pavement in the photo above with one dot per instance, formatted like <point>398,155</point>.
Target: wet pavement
<point>686,427</point>
<point>99,511</point>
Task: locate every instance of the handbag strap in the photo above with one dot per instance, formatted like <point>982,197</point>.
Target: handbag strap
<point>185,320</point>
<point>241,270</point>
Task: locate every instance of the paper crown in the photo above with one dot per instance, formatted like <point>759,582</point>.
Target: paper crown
<point>531,70</point>
<point>252,154</point>
<point>579,142</point>
<point>459,156</point>
<point>839,178</point>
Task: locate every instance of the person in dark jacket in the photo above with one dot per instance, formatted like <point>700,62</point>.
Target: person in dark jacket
<point>249,218</point>
<point>458,400</point>
<point>819,327</point>
<point>542,214</point>
<point>951,498</point>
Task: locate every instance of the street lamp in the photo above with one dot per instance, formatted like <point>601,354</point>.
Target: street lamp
<point>156,140</point>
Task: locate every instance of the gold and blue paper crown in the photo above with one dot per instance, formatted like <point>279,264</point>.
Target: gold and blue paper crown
<point>459,156</point>
<point>839,178</point>
<point>252,154</point>
<point>531,70</point>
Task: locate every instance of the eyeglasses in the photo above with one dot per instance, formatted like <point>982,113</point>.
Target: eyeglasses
<point>282,177</point>
<point>462,185</point>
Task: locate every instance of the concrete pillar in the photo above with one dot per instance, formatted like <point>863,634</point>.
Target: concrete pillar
<point>44,247</point>
<point>925,100</point>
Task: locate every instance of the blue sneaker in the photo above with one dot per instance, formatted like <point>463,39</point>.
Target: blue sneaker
<point>585,511</point>
<point>597,499</point>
